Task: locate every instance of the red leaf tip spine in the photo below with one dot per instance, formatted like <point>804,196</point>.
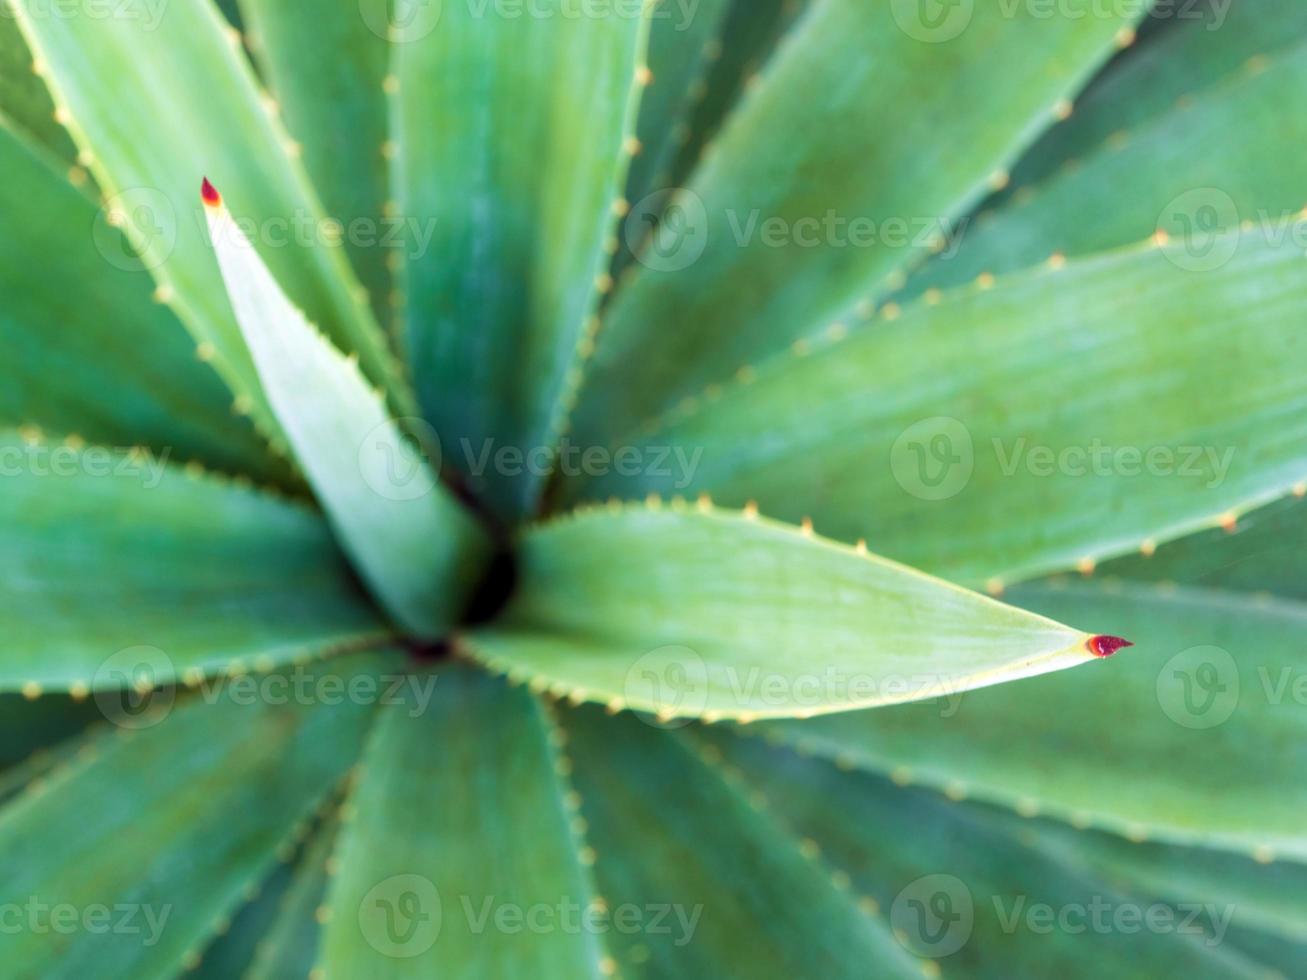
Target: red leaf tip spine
<point>1105,646</point>
<point>210,194</point>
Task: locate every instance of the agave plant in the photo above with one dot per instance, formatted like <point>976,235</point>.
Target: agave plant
<point>583,489</point>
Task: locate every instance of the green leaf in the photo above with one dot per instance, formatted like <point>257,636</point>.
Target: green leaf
<point>25,106</point>
<point>37,735</point>
<point>1281,958</point>
<point>290,947</point>
<point>1198,47</point>
<point>325,65</point>
<point>195,109</point>
<point>510,133</point>
<point>684,43</point>
<point>117,564</point>
<point>458,839</point>
<point>1197,737</point>
<point>750,33</point>
<point>697,880</point>
<point>717,615</point>
<point>166,826</point>
<point>1270,897</point>
<point>1267,552</point>
<point>418,548</point>
<point>1066,416</point>
<point>231,11</point>
<point>1221,158</point>
<point>844,126</point>
<point>85,351</point>
<point>972,893</point>
<point>232,951</point>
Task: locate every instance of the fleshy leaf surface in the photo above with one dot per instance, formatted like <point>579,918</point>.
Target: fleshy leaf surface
<point>196,109</point>
<point>750,33</point>
<point>25,106</point>
<point>232,950</point>
<point>510,136</point>
<point>418,548</point>
<point>1206,45</point>
<point>36,735</point>
<point>712,614</point>
<point>326,66</point>
<point>1219,160</point>
<point>1061,417</point>
<point>290,946</point>
<point>85,349</point>
<point>685,41</point>
<point>1265,552</point>
<point>844,127</point>
<point>699,881</point>
<point>1197,737</point>
<point>119,567</point>
<point>970,893</point>
<point>167,823</point>
<point>1270,897</point>
<point>459,836</point>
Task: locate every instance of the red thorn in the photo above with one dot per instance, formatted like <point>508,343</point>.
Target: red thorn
<point>210,194</point>
<point>1105,646</point>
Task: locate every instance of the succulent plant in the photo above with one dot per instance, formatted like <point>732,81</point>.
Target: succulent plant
<point>585,488</point>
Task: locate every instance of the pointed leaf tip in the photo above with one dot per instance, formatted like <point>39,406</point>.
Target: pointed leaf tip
<point>1105,646</point>
<point>210,194</point>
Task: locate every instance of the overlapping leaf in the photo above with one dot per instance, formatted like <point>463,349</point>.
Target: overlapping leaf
<point>25,106</point>
<point>326,65</point>
<point>187,813</point>
<point>290,946</point>
<point>1064,416</point>
<point>1197,737</point>
<point>184,103</point>
<point>672,845</point>
<point>708,614</point>
<point>1220,159</point>
<point>419,549</point>
<point>1268,897</point>
<point>684,43</point>
<point>458,837</point>
<point>85,350</point>
<point>1192,47</point>
<point>1266,552</point>
<point>973,895</point>
<point>510,135</point>
<point>843,129</point>
<point>120,569</point>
